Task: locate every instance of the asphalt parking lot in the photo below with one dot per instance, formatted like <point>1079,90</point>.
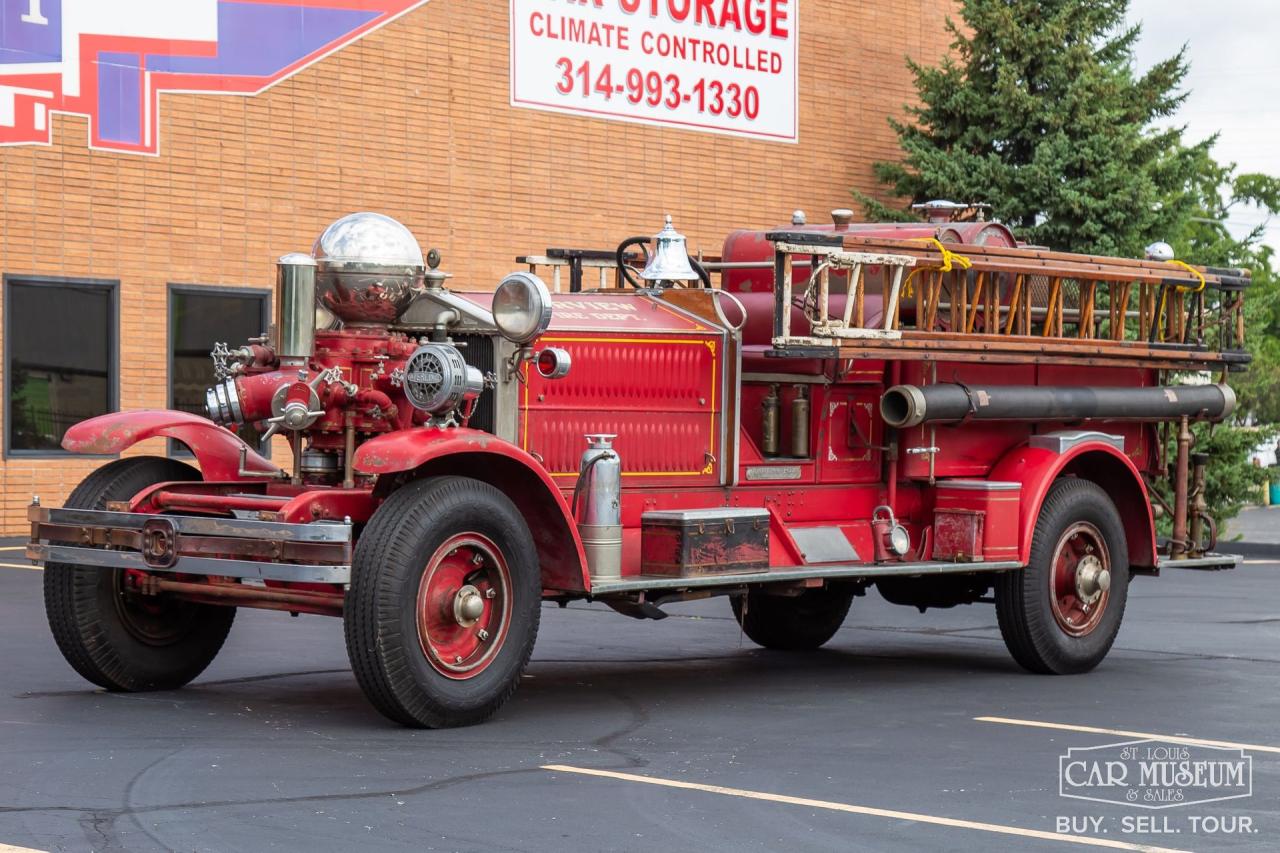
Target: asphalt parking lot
<point>908,732</point>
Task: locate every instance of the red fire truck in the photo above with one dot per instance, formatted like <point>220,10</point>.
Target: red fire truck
<point>932,410</point>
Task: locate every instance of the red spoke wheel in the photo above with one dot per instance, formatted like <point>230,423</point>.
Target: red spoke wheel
<point>464,605</point>
<point>444,603</point>
<point>110,633</point>
<point>1080,579</point>
<point>1061,614</point>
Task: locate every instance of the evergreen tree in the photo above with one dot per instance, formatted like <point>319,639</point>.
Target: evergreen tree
<point>1039,113</point>
<point>1205,239</point>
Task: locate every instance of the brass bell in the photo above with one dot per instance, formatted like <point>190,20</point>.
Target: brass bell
<point>670,258</point>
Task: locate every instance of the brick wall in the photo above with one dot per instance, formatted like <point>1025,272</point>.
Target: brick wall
<point>414,121</point>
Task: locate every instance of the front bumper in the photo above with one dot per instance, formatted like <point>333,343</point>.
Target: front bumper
<point>192,545</point>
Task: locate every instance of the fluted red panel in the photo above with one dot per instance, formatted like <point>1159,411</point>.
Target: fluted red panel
<point>661,396</point>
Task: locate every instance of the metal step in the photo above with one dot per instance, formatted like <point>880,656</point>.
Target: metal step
<point>1209,562</point>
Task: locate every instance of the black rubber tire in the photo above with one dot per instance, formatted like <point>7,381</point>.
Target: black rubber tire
<point>791,623</point>
<point>84,612</point>
<point>380,620</point>
<point>1023,607</point>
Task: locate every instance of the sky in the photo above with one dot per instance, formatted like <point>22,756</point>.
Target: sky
<point>1234,50</point>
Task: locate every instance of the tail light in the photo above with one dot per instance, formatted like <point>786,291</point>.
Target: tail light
<point>553,363</point>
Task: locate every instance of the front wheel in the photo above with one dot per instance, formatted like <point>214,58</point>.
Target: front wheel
<point>113,636</point>
<point>1061,613</point>
<point>444,603</point>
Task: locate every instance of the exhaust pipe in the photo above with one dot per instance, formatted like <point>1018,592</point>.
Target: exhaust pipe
<point>905,406</point>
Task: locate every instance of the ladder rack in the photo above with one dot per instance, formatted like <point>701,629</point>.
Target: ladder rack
<point>990,303</point>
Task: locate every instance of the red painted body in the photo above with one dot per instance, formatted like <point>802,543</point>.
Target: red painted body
<point>1036,469</point>
<point>685,397</point>
<point>662,395</point>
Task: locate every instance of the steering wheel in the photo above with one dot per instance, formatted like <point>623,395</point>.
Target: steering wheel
<point>629,274</point>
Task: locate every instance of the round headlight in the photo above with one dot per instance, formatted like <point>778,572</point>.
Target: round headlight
<point>521,307</point>
<point>899,540</point>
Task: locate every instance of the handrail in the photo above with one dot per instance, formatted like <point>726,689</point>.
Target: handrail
<point>575,265</point>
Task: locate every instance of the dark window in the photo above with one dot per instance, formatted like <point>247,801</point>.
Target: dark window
<point>199,317</point>
<point>60,358</point>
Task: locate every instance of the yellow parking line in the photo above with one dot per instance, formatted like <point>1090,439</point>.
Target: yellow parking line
<point>1259,562</point>
<point>20,566</point>
<point>862,810</point>
<point>1192,741</point>
<point>9,848</point>
<point>13,548</point>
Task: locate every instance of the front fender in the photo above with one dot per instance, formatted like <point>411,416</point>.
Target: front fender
<point>405,450</point>
<point>1036,468</point>
<point>217,449</point>
<point>479,455</point>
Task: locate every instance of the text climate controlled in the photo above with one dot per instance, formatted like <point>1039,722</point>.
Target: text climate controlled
<point>724,66</point>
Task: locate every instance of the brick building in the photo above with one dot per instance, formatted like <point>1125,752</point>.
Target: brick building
<point>147,226</point>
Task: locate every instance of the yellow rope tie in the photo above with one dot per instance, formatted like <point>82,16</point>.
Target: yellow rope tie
<point>950,260</point>
<point>1195,272</point>
<point>1164,292</point>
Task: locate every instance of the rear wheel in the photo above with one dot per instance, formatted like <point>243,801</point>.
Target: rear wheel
<point>1061,614</point>
<point>112,635</point>
<point>444,603</point>
<point>791,623</point>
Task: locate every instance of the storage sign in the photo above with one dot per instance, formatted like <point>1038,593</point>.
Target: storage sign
<point>725,66</point>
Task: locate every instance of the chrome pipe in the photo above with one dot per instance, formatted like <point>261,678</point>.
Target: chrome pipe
<point>295,310</point>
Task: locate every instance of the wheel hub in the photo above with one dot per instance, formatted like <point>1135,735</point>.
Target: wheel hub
<point>468,606</point>
<point>1092,579</point>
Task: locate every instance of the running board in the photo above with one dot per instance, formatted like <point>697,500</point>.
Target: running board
<point>1209,562</point>
<point>647,583</point>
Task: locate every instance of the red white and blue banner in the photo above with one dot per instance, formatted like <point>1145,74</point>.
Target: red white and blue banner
<point>725,66</point>
<point>110,60</point>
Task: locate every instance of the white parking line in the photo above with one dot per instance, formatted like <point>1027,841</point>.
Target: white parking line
<point>861,810</point>
<point>1192,741</point>
<point>29,567</point>
<point>9,848</point>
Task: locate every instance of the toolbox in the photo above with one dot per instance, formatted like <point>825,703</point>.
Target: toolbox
<point>698,542</point>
